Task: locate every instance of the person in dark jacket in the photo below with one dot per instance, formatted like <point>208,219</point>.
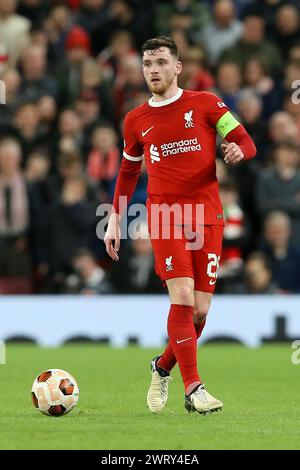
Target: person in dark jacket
<point>285,256</point>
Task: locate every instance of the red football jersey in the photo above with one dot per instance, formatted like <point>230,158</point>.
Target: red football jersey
<point>177,139</point>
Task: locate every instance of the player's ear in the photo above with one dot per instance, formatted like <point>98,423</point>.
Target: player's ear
<point>178,67</point>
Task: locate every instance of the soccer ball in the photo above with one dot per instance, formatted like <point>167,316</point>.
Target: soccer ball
<point>55,392</point>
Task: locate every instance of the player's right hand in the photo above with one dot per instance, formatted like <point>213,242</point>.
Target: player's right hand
<point>112,236</point>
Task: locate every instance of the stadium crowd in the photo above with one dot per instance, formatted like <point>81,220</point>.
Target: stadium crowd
<point>72,70</point>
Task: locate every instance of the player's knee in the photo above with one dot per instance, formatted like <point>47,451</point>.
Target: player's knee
<point>184,294</point>
<point>200,313</point>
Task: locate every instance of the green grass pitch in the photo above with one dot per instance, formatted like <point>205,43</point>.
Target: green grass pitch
<point>259,388</point>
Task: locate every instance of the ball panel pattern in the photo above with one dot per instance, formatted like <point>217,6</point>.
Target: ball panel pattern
<point>44,376</point>
<point>56,410</point>
<point>66,386</point>
<point>34,399</point>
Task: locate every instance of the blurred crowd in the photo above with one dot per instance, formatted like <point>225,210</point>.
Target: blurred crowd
<point>72,70</point>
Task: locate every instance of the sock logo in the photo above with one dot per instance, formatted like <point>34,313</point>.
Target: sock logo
<point>169,265</point>
<point>178,341</point>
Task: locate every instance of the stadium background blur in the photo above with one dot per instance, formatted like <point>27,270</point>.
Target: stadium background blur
<point>72,71</point>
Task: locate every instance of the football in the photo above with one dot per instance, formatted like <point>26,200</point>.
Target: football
<point>55,392</point>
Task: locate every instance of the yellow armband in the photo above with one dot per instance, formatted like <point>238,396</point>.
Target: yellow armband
<point>226,124</point>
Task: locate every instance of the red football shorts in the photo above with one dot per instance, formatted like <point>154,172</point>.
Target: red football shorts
<point>174,258</point>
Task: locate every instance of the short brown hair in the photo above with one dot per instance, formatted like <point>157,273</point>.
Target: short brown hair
<point>161,41</point>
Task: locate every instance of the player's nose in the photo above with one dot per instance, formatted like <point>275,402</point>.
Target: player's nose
<point>154,75</point>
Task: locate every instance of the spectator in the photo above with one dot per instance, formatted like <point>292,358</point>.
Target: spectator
<point>234,232</point>
<point>12,80</point>
<point>92,78</point>
<point>38,180</point>
<point>27,127</point>
<point>278,187</point>
<point>38,37</point>
<point>47,111</point>
<point>256,76</point>
<point>294,53</point>
<point>57,26</point>
<point>67,226</point>
<point>195,75</point>
<point>68,73</point>
<point>136,273</point>
<point>291,74</point>
<point>104,157</point>
<point>287,28</point>
<point>70,166</point>
<point>182,40</point>
<point>222,32</point>
<point>130,81</point>
<point>254,44</point>
<point>249,108</point>
<point>36,174</point>
<point>121,45</point>
<point>37,167</point>
<point>34,10</point>
<point>14,30</point>
<point>36,82</point>
<point>181,21</point>
<point>93,17</point>
<point>70,125</point>
<point>291,106</point>
<point>282,128</point>
<point>87,278</point>
<point>123,16</point>
<point>257,276</point>
<point>229,80</point>
<point>15,262</point>
<point>266,9</point>
<point>89,108</point>
<point>285,257</point>
<point>199,11</point>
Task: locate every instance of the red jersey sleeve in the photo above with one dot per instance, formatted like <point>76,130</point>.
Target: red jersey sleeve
<point>130,167</point>
<point>133,150</point>
<point>215,108</point>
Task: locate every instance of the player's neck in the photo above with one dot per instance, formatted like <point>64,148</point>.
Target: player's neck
<point>170,93</point>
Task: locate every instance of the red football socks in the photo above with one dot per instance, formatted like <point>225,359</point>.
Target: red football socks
<point>168,361</point>
<point>182,346</point>
<point>199,328</point>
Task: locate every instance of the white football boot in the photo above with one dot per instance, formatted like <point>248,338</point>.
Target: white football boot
<point>157,395</point>
<point>202,401</point>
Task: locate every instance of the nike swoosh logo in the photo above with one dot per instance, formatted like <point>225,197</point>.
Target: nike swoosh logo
<point>182,340</point>
<point>211,283</point>
<point>146,132</point>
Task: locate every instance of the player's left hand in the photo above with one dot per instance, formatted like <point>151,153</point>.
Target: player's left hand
<point>232,153</point>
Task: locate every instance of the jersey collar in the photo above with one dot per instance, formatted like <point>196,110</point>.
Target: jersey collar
<point>157,104</point>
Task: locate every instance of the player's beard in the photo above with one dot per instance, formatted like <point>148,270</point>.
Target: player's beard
<point>161,87</point>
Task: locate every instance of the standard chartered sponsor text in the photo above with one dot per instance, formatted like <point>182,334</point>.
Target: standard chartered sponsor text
<point>180,146</point>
